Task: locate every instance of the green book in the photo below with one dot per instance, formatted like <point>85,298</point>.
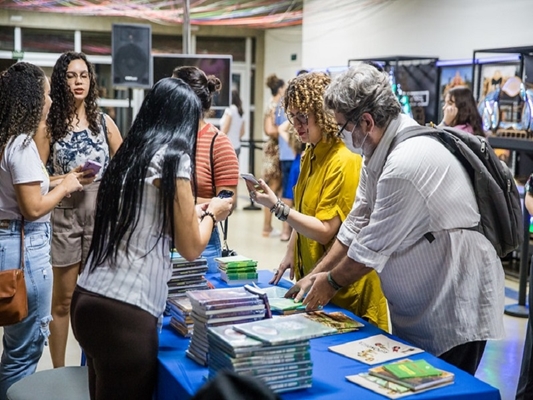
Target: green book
<point>412,369</point>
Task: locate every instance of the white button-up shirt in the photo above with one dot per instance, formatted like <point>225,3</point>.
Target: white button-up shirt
<point>441,294</point>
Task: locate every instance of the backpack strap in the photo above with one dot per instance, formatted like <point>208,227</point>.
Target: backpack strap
<point>443,138</point>
<point>224,226</point>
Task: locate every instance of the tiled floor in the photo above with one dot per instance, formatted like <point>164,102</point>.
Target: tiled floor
<point>501,362</point>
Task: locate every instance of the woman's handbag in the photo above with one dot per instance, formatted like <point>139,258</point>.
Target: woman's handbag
<point>13,295</point>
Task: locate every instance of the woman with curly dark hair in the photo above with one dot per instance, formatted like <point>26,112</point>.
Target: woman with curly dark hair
<point>323,196</point>
<point>217,166</point>
<point>145,203</point>
<point>78,133</point>
<point>26,201</point>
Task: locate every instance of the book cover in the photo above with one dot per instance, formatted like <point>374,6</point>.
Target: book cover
<point>219,296</point>
<point>229,317</point>
<point>282,330</point>
<point>296,384</point>
<point>384,387</point>
<point>235,310</point>
<point>412,369</point>
<point>337,319</point>
<point>281,305</point>
<point>415,384</point>
<point>375,349</point>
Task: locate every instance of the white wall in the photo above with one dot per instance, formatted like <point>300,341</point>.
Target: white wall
<point>447,29</point>
<point>280,44</point>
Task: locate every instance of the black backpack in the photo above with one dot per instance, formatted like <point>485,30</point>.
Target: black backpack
<point>497,197</point>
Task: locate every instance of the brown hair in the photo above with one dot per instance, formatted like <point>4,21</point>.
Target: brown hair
<point>205,86</point>
<point>274,83</point>
<point>466,109</point>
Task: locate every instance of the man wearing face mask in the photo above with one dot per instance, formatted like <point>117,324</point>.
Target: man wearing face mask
<point>410,222</point>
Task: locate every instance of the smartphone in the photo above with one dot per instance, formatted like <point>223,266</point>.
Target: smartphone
<point>250,178</point>
<point>92,166</point>
<point>253,180</point>
<point>224,194</point>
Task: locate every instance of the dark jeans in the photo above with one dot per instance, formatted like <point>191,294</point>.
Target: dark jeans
<point>466,356</point>
<point>524,390</point>
<point>121,343</point>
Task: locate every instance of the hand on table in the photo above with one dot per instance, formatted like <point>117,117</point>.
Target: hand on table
<point>286,263</point>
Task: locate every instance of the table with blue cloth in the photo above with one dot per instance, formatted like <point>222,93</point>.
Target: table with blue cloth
<point>180,377</point>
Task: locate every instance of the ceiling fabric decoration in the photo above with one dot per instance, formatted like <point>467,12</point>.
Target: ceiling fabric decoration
<point>244,13</point>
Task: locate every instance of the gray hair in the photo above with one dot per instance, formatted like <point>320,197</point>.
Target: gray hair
<point>363,89</point>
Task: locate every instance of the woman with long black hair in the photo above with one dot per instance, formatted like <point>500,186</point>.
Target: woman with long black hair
<point>145,205</point>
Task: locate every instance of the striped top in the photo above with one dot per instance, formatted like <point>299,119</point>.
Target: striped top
<point>143,269</point>
<point>225,162</point>
<point>441,294</point>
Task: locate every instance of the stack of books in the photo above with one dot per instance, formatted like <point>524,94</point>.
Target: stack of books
<point>186,275</point>
<point>282,367</point>
<point>180,310</point>
<point>237,270</point>
<point>403,378</point>
<point>274,350</point>
<point>219,307</point>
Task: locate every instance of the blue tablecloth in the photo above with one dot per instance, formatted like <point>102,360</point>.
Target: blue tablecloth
<point>180,377</point>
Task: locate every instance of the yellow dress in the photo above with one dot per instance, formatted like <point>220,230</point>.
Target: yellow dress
<point>328,180</point>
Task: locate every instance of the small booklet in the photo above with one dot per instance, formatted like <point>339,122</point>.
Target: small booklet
<point>412,369</point>
<point>375,349</point>
<point>413,383</point>
<point>384,387</point>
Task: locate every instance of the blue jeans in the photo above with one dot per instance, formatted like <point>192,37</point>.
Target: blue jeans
<point>213,249</point>
<point>24,342</point>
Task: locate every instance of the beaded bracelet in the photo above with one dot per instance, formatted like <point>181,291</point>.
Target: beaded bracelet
<point>209,213</point>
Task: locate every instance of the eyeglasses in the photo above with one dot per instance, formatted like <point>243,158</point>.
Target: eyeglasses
<point>73,75</point>
<point>302,118</point>
<point>340,133</point>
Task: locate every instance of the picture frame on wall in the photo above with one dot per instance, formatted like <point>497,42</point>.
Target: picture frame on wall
<point>450,77</point>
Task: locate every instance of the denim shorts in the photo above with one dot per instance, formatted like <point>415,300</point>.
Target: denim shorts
<point>24,341</point>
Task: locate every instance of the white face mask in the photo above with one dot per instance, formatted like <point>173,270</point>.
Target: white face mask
<point>347,139</point>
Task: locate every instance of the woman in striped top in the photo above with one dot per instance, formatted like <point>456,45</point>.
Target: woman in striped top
<point>145,204</point>
<point>217,166</point>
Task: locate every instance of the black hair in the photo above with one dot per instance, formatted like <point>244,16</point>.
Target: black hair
<point>169,117</point>
<point>60,119</point>
<point>21,101</point>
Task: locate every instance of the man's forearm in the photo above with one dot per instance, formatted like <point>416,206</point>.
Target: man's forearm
<point>332,258</point>
<point>348,271</point>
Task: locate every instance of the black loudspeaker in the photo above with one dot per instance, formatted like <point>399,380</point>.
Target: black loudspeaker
<point>131,55</point>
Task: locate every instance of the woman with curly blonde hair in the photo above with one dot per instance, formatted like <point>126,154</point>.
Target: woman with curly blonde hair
<point>77,132</point>
<point>323,196</point>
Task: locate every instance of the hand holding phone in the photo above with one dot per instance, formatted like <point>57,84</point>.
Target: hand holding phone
<point>253,180</point>
<point>92,166</point>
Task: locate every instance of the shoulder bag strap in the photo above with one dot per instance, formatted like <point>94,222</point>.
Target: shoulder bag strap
<point>224,226</point>
<point>22,262</point>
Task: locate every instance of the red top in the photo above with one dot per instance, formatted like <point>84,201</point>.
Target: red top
<point>225,162</point>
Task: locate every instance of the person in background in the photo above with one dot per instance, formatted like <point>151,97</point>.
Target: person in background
<point>217,166</point>
<point>24,105</point>
<point>77,132</point>
<point>460,111</point>
<point>443,281</point>
<point>324,195</point>
<point>145,203</point>
<point>232,122</point>
<point>271,172</point>
<point>525,382</point>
